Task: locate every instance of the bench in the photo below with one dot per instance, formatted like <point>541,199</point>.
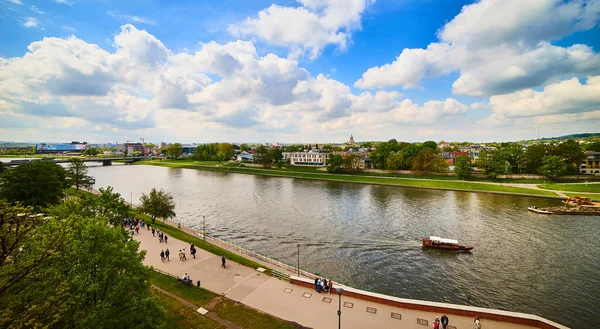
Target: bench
<point>280,275</point>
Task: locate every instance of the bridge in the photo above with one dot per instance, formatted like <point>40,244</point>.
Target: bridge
<point>104,161</point>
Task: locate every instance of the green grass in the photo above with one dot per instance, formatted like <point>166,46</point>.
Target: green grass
<point>594,197</point>
<point>367,179</point>
<point>581,187</point>
<point>248,318</point>
<point>178,315</point>
<point>194,295</point>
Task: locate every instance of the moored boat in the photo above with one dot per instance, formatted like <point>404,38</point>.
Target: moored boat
<point>539,210</point>
<point>436,242</point>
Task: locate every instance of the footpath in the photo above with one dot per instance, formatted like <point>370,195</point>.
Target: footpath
<point>287,301</point>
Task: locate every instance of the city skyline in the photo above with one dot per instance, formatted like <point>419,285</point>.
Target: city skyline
<point>303,71</point>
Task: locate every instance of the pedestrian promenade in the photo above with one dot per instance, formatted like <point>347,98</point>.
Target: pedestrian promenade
<point>289,301</point>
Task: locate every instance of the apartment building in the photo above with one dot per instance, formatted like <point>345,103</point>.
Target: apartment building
<point>315,159</point>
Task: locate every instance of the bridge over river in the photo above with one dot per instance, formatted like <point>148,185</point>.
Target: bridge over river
<point>104,161</point>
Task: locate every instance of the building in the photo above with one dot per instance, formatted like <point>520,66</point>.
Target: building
<point>130,148</point>
<point>189,149</point>
<point>351,141</point>
<point>54,148</point>
<point>450,157</point>
<point>245,157</point>
<point>310,158</point>
<point>591,164</point>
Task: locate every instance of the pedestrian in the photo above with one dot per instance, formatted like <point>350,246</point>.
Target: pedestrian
<point>180,255</point>
<point>166,238</point>
<point>330,286</point>
<point>160,237</point>
<point>436,323</point>
<point>193,250</point>
<point>162,255</point>
<point>444,321</point>
<point>477,322</point>
<point>167,253</point>
<point>184,256</point>
<point>179,226</point>
<point>137,229</point>
<point>223,261</point>
<point>153,231</point>
<point>142,224</point>
<point>317,284</point>
<point>148,226</point>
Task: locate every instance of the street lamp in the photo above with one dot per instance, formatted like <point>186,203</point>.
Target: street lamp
<point>340,291</point>
<point>204,227</point>
<point>131,199</point>
<point>298,259</point>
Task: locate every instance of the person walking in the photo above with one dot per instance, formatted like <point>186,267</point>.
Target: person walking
<point>153,230</point>
<point>193,250</point>
<point>180,255</point>
<point>162,255</point>
<point>330,286</point>
<point>223,261</point>
<point>167,253</point>
<point>184,256</point>
<point>436,323</point>
<point>317,284</point>
<point>166,238</point>
<point>477,322</point>
<point>444,321</point>
<point>148,227</point>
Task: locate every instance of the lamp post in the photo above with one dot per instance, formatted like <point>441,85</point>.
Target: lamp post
<point>298,259</point>
<point>340,291</point>
<point>204,227</point>
<point>131,199</point>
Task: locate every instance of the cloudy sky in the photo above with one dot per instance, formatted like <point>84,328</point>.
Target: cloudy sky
<point>298,71</point>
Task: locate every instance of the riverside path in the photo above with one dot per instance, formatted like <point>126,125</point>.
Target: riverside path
<point>288,301</point>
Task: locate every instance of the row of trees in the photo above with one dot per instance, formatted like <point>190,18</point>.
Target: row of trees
<point>74,266</point>
<point>215,152</point>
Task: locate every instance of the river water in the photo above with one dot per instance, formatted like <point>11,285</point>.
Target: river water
<point>368,236</point>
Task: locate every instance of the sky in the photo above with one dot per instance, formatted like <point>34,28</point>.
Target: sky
<point>298,71</point>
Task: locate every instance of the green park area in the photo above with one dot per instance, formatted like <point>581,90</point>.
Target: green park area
<point>427,182</point>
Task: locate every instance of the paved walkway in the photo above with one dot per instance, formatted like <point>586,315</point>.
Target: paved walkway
<point>284,300</point>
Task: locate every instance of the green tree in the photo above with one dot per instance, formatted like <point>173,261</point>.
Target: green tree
<point>533,158</point>
<point>35,183</point>
<point>244,148</point>
<point>174,150</point>
<point>428,161</point>
<point>2,169</point>
<point>593,147</point>
<point>77,174</point>
<point>157,204</point>
<point>334,163</point>
<point>262,156</point>
<point>431,145</point>
<point>570,152</point>
<point>276,154</point>
<point>90,151</point>
<point>513,153</point>
<point>352,162</point>
<point>493,162</point>
<point>225,152</point>
<point>462,166</point>
<point>553,166</point>
<point>395,161</point>
<point>77,272</point>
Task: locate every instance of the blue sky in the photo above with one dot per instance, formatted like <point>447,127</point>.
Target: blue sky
<point>298,71</point>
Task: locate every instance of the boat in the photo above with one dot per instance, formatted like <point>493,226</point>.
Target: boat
<point>436,242</point>
<point>539,210</point>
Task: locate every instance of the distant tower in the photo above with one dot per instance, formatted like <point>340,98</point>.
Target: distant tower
<point>351,141</point>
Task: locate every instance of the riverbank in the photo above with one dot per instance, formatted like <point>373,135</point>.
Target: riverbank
<point>441,184</point>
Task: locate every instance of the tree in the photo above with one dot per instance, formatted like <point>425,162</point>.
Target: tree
<point>35,183</point>
<point>428,161</point>
<point>431,145</point>
<point>90,151</point>
<point>513,153</point>
<point>396,161</point>
<point>262,156</point>
<point>157,204</point>
<point>276,154</point>
<point>493,162</point>
<point>108,205</point>
<point>352,162</point>
<point>533,158</point>
<point>570,152</point>
<point>334,163</point>
<point>77,174</point>
<point>225,152</point>
<point>86,275</point>
<point>462,166</point>
<point>174,150</point>
<point>244,148</point>
<point>553,166</point>
<point>593,147</point>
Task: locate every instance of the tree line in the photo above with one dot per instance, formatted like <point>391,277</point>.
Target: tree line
<point>71,264</point>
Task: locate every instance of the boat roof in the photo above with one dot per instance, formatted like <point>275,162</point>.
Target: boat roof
<point>438,239</point>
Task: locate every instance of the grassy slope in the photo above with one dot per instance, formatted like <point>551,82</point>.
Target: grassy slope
<point>426,183</point>
<point>194,295</point>
<point>582,187</point>
<point>247,317</point>
<point>180,316</point>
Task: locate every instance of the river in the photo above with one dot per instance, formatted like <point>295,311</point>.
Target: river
<point>368,236</point>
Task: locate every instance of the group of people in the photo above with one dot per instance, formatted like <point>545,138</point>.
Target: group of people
<point>164,255</point>
<point>133,224</point>
<point>323,285</point>
<point>442,323</point>
<point>162,237</point>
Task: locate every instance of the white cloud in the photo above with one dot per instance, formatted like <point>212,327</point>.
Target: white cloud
<point>564,97</point>
<point>131,18</point>
<point>499,47</point>
<point>16,2</point>
<point>307,28</point>
<point>37,10</point>
<point>30,22</point>
<point>65,2</point>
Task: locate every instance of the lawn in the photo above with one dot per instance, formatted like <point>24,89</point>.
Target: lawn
<point>194,295</point>
<point>406,182</point>
<point>247,317</point>
<point>580,187</point>
<point>179,315</point>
